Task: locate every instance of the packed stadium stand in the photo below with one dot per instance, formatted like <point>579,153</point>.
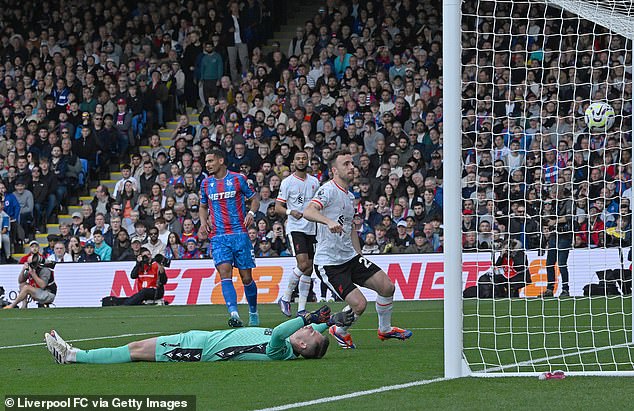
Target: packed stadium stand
<point>107,112</point>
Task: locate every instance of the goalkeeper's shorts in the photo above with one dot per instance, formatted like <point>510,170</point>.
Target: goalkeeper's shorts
<point>191,346</point>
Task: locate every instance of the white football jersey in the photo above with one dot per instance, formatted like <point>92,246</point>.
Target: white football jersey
<point>336,203</point>
<point>296,194</point>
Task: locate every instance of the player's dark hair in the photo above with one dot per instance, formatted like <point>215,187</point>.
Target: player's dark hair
<point>335,154</point>
<point>218,154</point>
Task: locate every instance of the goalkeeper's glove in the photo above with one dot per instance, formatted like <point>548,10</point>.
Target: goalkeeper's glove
<point>342,319</point>
<point>319,316</point>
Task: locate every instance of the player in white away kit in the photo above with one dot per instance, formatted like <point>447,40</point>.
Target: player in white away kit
<point>338,259</point>
<point>296,191</point>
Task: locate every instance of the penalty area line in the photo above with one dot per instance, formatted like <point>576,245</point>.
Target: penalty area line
<point>107,337</point>
<point>354,394</point>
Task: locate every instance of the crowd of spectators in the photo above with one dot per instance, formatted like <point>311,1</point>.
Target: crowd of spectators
<point>86,88</point>
<point>533,169</point>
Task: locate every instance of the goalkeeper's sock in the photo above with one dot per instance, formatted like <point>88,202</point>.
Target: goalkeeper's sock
<point>229,294</point>
<point>304,288</point>
<point>104,355</point>
<point>251,292</point>
<point>384,310</point>
<point>292,283</point>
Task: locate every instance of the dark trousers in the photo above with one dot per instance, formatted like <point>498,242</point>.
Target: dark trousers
<point>558,249</point>
<point>508,287</point>
<point>209,89</point>
<point>26,221</point>
<point>145,294</point>
<point>42,211</point>
<point>191,91</point>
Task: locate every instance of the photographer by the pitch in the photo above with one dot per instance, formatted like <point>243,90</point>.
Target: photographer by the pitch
<point>36,280</point>
<point>150,278</point>
<point>511,268</point>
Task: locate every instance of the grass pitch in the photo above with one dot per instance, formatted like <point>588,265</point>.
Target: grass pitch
<point>29,369</point>
<point>573,334</point>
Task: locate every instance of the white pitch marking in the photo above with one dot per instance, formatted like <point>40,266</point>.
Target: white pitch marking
<point>354,394</point>
<point>80,340</point>
<point>554,357</point>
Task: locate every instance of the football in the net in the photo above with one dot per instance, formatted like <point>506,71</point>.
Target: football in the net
<point>600,116</point>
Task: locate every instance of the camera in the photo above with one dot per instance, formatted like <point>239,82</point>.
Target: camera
<point>165,262</point>
<point>37,263</point>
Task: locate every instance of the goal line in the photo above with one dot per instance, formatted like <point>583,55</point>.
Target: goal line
<point>494,371</point>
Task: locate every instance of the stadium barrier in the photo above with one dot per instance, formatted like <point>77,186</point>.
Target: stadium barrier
<point>417,277</point>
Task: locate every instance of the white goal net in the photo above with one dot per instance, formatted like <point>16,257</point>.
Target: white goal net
<point>546,214</point>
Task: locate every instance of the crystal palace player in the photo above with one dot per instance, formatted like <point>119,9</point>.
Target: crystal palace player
<point>295,193</point>
<point>299,336</point>
<point>338,259</point>
<point>223,200</point>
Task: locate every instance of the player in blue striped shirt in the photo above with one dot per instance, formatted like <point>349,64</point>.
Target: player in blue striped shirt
<point>224,218</point>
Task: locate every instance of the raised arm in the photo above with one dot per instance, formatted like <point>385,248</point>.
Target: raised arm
<point>283,331</point>
<point>318,319</point>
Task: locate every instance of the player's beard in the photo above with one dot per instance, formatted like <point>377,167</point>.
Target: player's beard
<point>301,170</point>
<point>347,179</point>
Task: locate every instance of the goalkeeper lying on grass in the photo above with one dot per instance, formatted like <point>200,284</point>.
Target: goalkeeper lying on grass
<point>299,336</point>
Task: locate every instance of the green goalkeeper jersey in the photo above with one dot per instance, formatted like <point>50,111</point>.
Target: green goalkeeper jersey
<point>240,344</point>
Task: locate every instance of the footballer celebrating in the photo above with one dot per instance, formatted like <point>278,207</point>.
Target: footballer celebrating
<point>296,191</point>
<point>338,259</point>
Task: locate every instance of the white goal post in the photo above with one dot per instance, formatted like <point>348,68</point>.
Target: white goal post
<point>535,332</point>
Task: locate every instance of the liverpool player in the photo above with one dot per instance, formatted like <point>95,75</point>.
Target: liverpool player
<point>338,259</point>
<point>296,191</point>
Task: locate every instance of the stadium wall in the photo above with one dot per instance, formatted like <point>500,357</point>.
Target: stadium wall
<point>417,277</point>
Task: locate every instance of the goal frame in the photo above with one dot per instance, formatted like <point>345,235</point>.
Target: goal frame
<point>455,363</point>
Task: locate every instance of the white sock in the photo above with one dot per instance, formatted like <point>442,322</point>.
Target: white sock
<point>71,355</point>
<point>304,288</point>
<point>292,283</point>
<point>384,310</point>
<point>234,314</point>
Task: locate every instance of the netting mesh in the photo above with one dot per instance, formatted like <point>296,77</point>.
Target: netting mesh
<point>612,14</point>
<point>546,199</point>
